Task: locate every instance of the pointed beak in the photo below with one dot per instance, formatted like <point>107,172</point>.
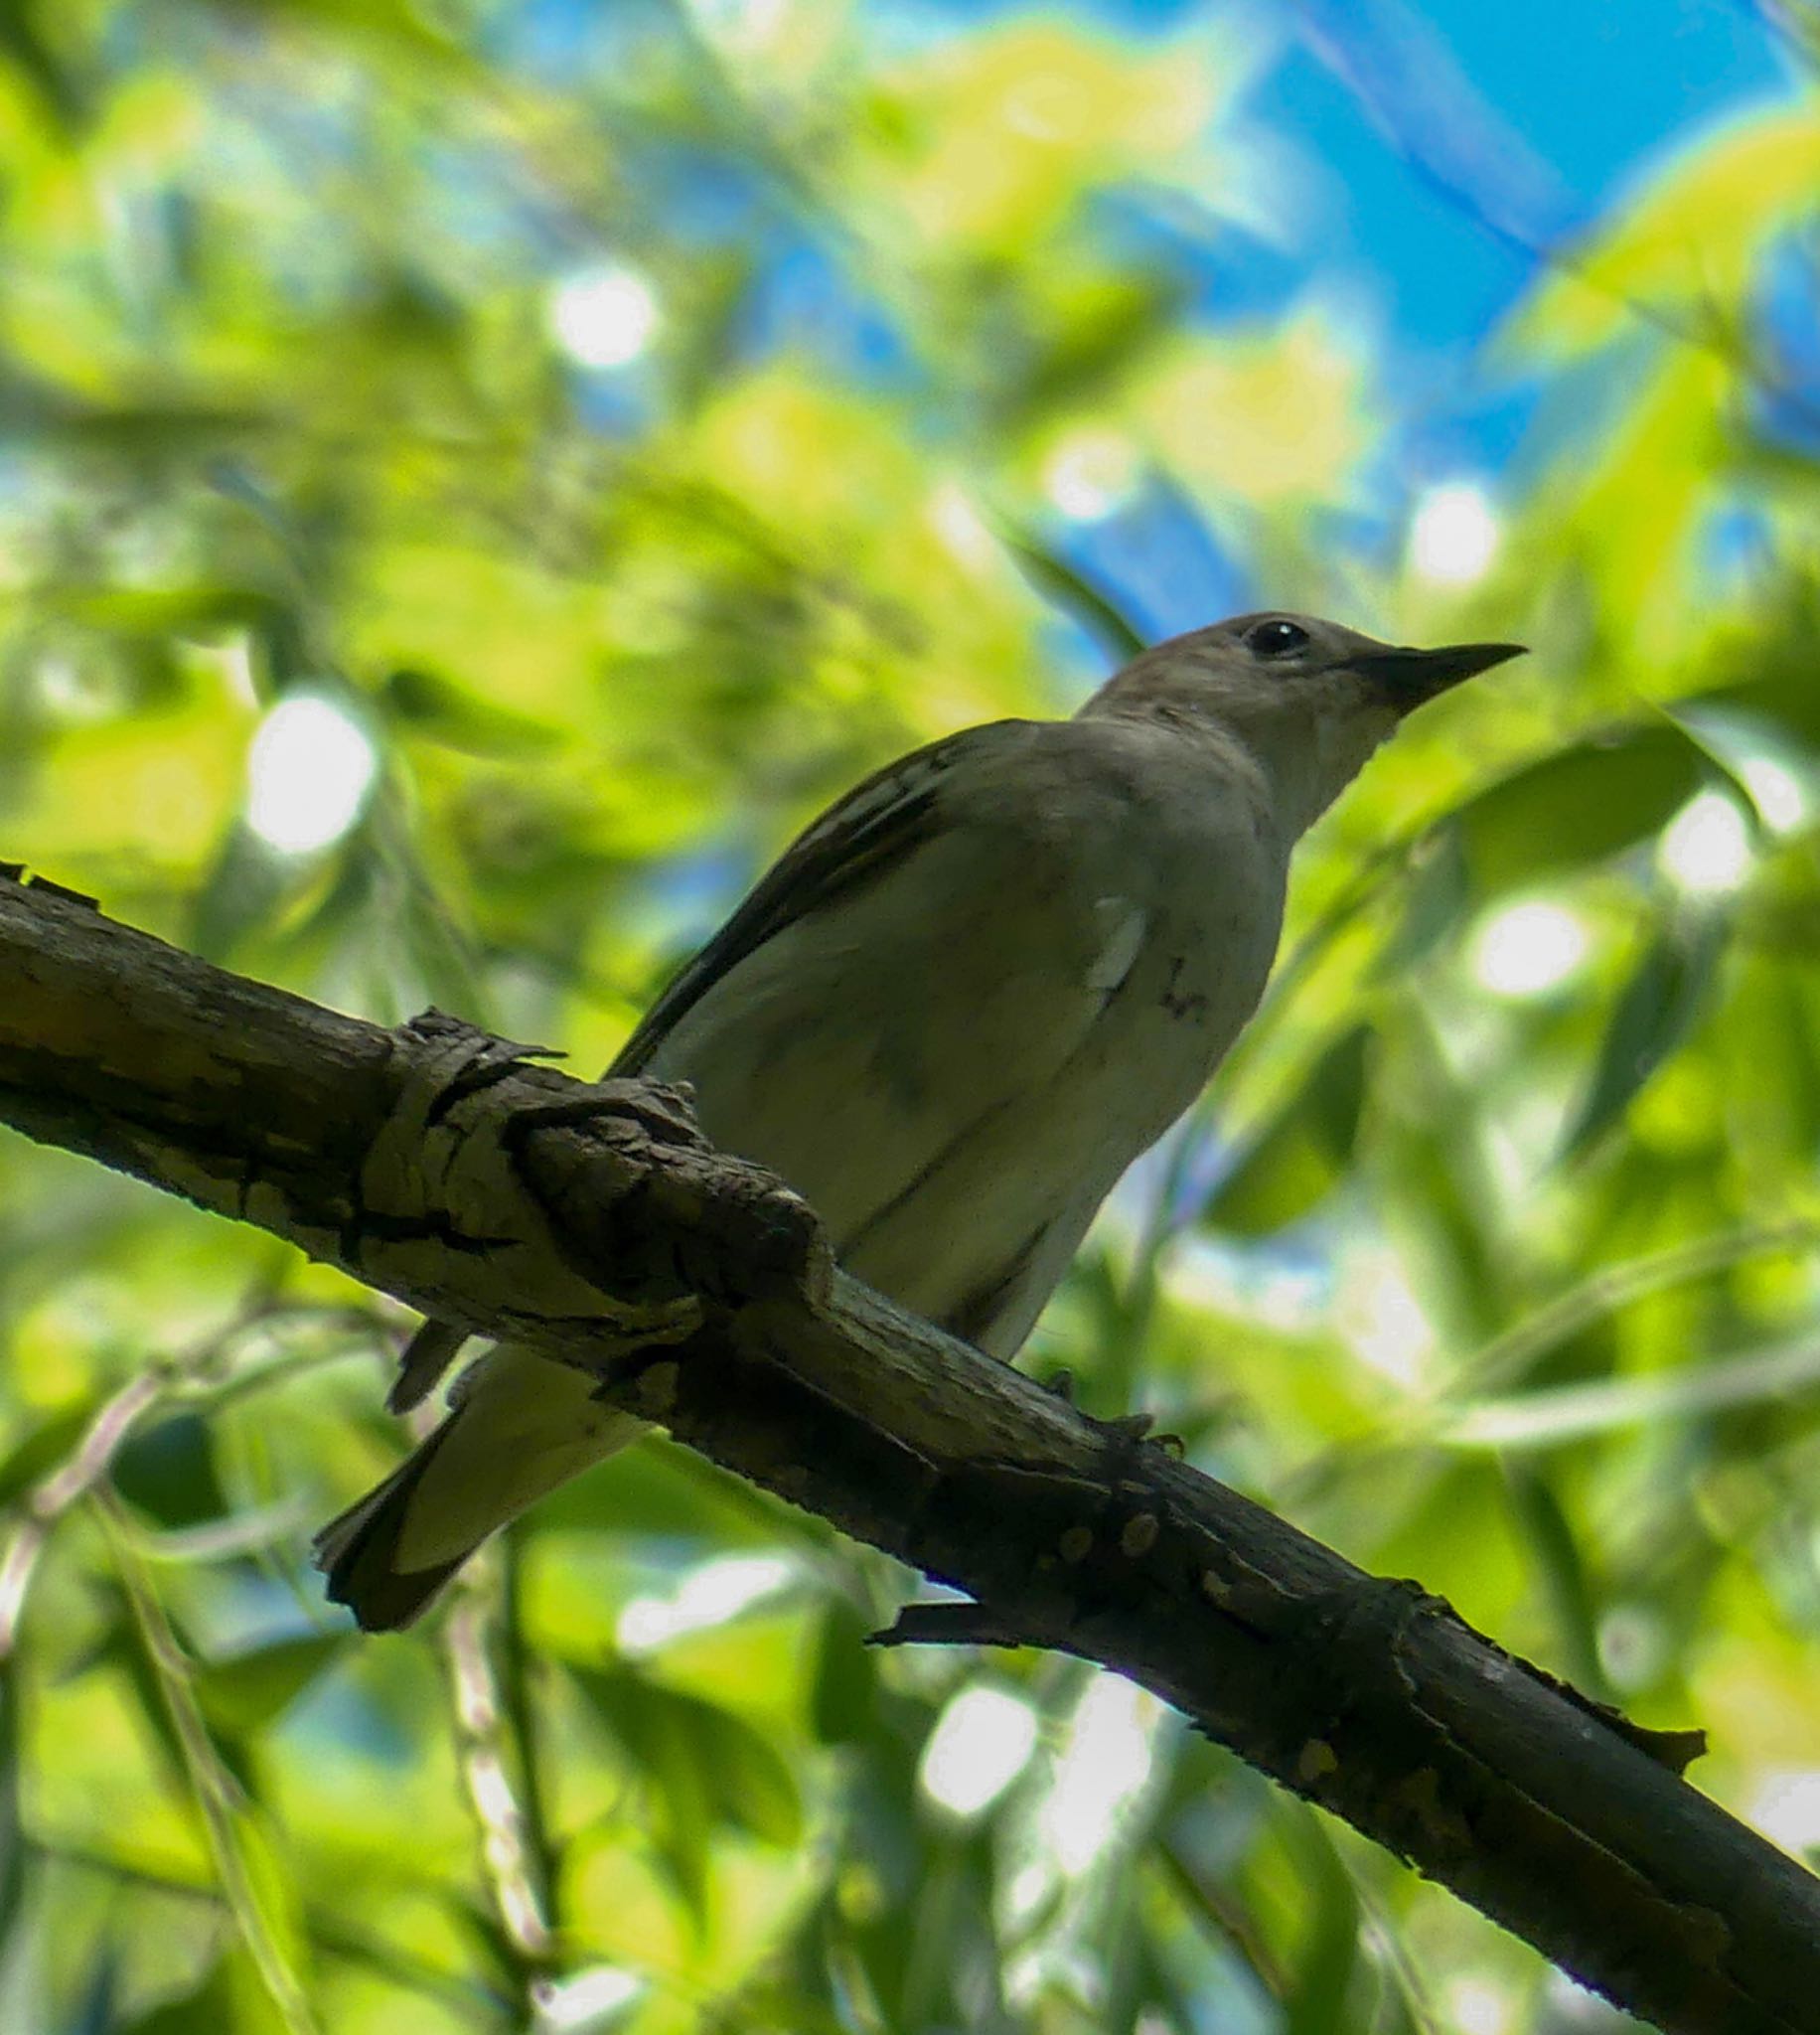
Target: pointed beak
<point>1411,677</point>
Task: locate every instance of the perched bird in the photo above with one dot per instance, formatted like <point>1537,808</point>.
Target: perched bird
<point>952,1013</point>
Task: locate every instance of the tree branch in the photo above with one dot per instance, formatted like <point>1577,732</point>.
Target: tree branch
<point>451,1170</point>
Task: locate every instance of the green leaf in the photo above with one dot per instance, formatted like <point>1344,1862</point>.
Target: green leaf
<point>243,1693</point>
<point>209,2009</point>
<point>429,705</point>
<point>12,1830</point>
<point>1058,581</point>
<point>168,1472</point>
<point>1437,900</point>
<point>1688,243</point>
<point>1293,1164</point>
<point>844,1698</point>
<point>1554,1416</point>
<point>123,1648</point>
<point>750,1782</point>
<point>21,42</point>
<point>704,1765</point>
<point>41,1451</point>
<point>1580,805</point>
<point>1555,1547</point>
<point>1317,2002</point>
<point>99,2010</point>
<point>1653,1017</point>
<point>655,1732</point>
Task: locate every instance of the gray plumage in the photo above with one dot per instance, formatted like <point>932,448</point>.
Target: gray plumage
<point>952,1012</point>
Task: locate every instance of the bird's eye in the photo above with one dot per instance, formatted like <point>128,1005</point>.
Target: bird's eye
<point>1276,637</point>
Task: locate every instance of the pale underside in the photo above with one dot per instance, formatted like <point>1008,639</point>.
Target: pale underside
<point>1013,1010</point>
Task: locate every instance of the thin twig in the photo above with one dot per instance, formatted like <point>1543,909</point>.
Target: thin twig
<point>484,1755</point>
<point>73,1479</point>
<point>185,1376</point>
<point>1445,1410</point>
<point>544,1856</point>
<point>211,1786</point>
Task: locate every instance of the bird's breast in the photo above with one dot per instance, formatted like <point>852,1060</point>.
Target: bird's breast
<point>956,1061</point>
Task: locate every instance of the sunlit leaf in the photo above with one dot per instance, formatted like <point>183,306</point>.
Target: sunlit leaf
<point>704,1765</point>
<point>1270,417</point>
<point>1688,243</point>
<point>1580,804</point>
<point>996,134</point>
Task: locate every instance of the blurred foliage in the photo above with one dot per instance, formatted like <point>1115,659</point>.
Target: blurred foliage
<point>618,428</point>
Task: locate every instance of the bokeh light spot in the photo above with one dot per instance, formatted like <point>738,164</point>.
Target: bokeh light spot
<point>1706,848</point>
<point>570,2006</point>
<point>1479,2006</point>
<point>708,1596</point>
<point>308,774</point>
<point>1776,792</point>
<point>1528,949</point>
<point>1453,535</point>
<point>1090,475</point>
<point>981,1742</point>
<point>1104,1768</point>
<point>1785,1806</point>
<point>604,316</point>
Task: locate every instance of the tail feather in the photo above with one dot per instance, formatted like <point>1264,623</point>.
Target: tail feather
<point>358,1549</point>
<point>522,1425</point>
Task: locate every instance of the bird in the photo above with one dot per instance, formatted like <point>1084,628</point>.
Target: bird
<point>950,1016</point>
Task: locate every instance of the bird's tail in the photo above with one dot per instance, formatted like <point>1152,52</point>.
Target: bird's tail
<point>521,1426</point>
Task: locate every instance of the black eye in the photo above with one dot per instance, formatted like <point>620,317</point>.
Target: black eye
<point>1276,638</point>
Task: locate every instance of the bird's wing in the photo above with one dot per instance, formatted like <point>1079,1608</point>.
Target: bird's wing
<point>856,841</point>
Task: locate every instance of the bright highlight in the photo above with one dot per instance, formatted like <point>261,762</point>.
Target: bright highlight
<point>604,316</point>
<point>1092,475</point>
<point>1380,1315</point>
<point>1706,849</point>
<point>1777,793</point>
<point>579,2005</point>
<point>1526,950</point>
<point>1454,534</point>
<point>707,1596</point>
<point>1785,1806</point>
<point>1103,1771</point>
<point>1475,2006</point>
<point>981,1742</point>
<point>308,774</point>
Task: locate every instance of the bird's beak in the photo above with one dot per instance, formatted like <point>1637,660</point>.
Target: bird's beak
<point>1408,678</point>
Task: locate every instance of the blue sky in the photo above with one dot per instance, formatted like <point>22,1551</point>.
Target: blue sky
<point>1436,147</point>
<point>1542,113</point>
<point>1446,142</point>
<point>1412,115</point>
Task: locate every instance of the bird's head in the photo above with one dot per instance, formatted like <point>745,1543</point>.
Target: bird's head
<point>1308,700</point>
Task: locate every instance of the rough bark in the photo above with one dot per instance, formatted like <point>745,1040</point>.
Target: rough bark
<point>453,1172</point>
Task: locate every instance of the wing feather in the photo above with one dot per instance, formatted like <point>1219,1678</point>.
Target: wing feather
<point>855,842</point>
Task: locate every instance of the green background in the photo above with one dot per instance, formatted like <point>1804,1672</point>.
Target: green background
<point>1491,1261</point>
